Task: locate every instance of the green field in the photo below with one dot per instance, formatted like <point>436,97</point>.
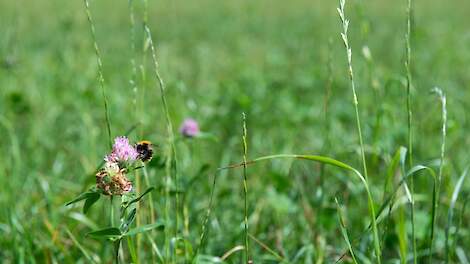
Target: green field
<point>284,65</point>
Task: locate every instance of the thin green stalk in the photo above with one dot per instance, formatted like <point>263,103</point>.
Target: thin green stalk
<point>408,84</point>
<point>82,249</point>
<point>206,219</point>
<point>138,217</point>
<point>245,188</point>
<point>344,36</point>
<point>268,249</point>
<point>117,245</point>
<point>100,71</point>
<point>151,203</point>
<point>344,231</point>
<point>450,214</point>
<point>443,100</point>
<point>171,161</point>
<point>140,106</point>
<point>134,87</point>
<point>186,228</point>
<point>410,128</point>
<point>143,63</point>
<point>132,80</point>
<point>132,250</point>
<point>111,214</point>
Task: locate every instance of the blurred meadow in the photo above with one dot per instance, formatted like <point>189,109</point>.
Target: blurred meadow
<point>284,65</point>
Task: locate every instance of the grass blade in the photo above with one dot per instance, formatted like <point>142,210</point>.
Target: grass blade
<point>109,232</point>
<point>344,231</point>
<point>145,228</point>
<point>82,249</point>
<point>450,214</point>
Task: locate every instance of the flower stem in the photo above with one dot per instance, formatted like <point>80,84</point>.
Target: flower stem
<point>111,215</point>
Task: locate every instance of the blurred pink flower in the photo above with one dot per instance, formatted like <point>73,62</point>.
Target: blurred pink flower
<point>189,128</point>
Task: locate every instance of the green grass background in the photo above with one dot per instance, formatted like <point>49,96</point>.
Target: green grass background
<point>270,59</point>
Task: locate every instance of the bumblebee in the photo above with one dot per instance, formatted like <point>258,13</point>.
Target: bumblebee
<point>145,150</point>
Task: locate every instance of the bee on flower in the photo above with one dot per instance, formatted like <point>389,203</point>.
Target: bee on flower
<point>112,179</point>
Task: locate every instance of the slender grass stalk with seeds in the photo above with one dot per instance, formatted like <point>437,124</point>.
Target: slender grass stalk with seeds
<point>140,106</point>
<point>105,100</point>
<point>134,87</point>
<point>143,60</point>
<point>443,101</point>
<point>171,164</point>
<point>344,36</point>
<point>132,80</point>
<point>410,122</point>
<point>100,71</point>
<point>408,83</point>
<point>245,188</point>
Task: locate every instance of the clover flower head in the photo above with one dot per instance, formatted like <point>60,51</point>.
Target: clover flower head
<point>116,184</point>
<point>122,151</point>
<point>112,168</point>
<point>189,128</point>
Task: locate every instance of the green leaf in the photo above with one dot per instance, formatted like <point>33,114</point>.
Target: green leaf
<point>145,228</point>
<point>83,196</point>
<point>109,232</point>
<point>129,219</point>
<point>93,198</point>
<point>135,200</point>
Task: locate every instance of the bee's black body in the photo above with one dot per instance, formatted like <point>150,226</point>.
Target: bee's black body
<point>145,150</point>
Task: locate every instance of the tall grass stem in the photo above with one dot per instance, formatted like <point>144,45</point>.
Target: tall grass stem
<point>410,122</point>
<point>443,100</point>
<point>245,187</point>
<point>344,36</point>
<point>171,164</point>
<point>100,72</point>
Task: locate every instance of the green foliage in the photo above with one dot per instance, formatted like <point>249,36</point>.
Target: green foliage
<point>282,63</point>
